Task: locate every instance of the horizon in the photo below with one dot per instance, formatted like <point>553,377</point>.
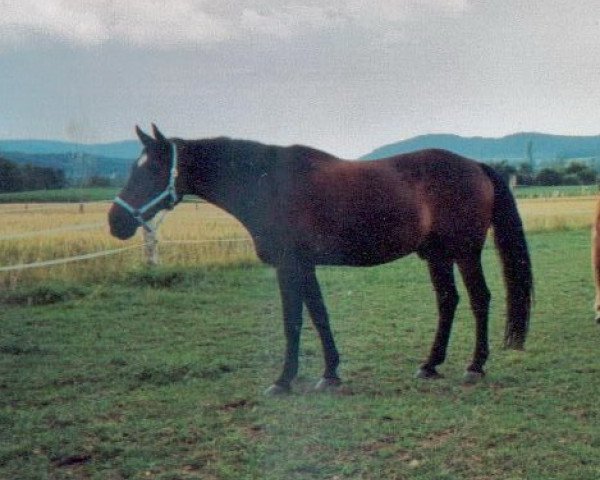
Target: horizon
<point>344,77</point>
<point>449,134</point>
<point>472,147</point>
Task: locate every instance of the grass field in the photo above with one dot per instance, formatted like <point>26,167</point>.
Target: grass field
<point>61,196</point>
<point>555,191</point>
<point>159,373</point>
<point>104,194</point>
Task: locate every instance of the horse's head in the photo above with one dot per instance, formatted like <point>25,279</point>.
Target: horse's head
<point>151,187</point>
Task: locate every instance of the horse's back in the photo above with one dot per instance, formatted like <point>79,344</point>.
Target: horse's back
<point>457,193</point>
<point>370,212</point>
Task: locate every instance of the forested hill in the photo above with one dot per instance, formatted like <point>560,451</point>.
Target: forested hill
<point>114,159</point>
<point>17,178</point>
<point>543,147</point>
<point>78,161</point>
<point>128,149</point>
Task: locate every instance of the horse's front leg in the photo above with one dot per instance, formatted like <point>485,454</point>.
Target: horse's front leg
<point>311,293</point>
<point>290,287</point>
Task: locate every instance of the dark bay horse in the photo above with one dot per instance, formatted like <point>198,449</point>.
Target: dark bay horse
<point>305,208</point>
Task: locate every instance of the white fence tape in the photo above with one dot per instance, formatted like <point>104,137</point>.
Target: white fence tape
<point>197,242</point>
<point>60,261</point>
<point>104,253</point>
<point>31,207</point>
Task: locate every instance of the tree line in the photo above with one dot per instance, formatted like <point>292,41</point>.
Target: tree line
<point>573,173</point>
<point>15,177</point>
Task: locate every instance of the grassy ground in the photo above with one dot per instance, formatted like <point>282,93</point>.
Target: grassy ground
<point>160,375</point>
<point>104,194</point>
<point>62,195</point>
<point>555,191</point>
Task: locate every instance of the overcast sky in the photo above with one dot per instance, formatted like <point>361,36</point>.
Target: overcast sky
<point>343,76</point>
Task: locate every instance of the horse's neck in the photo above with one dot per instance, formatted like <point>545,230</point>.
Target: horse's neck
<point>226,175</point>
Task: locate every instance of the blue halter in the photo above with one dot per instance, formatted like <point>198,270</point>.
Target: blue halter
<point>169,193</point>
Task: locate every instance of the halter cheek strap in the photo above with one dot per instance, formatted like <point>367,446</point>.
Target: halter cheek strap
<point>168,193</point>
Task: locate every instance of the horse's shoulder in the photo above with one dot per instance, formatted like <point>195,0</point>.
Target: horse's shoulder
<point>303,151</point>
<point>302,158</point>
<point>435,155</point>
<point>432,158</point>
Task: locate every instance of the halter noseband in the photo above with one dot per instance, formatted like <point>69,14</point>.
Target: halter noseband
<point>169,193</point>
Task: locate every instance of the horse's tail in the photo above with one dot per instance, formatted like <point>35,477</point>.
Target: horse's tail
<point>516,263</point>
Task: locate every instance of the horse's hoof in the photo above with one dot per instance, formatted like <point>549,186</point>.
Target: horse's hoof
<point>276,390</point>
<point>471,377</point>
<point>428,374</point>
<point>327,384</point>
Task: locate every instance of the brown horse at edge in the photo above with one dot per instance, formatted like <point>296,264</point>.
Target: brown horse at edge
<point>596,260</point>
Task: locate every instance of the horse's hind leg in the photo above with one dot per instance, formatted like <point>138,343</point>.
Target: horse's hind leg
<point>441,270</point>
<point>479,294</point>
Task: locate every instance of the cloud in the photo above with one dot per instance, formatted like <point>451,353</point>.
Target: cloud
<point>181,23</point>
<point>28,18</point>
<point>85,22</point>
<point>285,21</point>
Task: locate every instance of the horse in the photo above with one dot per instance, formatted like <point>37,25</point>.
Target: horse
<point>304,208</point>
<point>596,260</point>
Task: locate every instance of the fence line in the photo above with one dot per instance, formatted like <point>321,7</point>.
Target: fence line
<point>85,226</point>
<point>37,206</point>
<point>105,253</point>
<point>149,244</point>
<point>198,242</point>
<point>61,261</point>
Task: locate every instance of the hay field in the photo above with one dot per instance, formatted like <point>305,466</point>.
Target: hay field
<point>552,214</point>
<point>191,234</point>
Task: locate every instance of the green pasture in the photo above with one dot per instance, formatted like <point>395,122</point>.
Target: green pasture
<point>160,375</point>
<point>103,194</point>
<point>555,191</point>
<point>66,195</point>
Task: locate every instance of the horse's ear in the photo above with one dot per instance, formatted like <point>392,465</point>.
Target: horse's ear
<point>146,139</point>
<point>160,138</point>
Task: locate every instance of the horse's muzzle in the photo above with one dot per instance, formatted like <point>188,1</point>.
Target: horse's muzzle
<point>122,225</point>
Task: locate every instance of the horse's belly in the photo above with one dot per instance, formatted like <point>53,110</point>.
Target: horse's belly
<point>363,252</point>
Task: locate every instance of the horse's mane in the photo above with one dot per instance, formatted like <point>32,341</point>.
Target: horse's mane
<point>252,155</point>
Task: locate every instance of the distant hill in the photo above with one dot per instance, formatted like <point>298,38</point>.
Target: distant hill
<point>545,148</point>
<point>75,159</point>
<point>79,160</point>
<point>128,149</point>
